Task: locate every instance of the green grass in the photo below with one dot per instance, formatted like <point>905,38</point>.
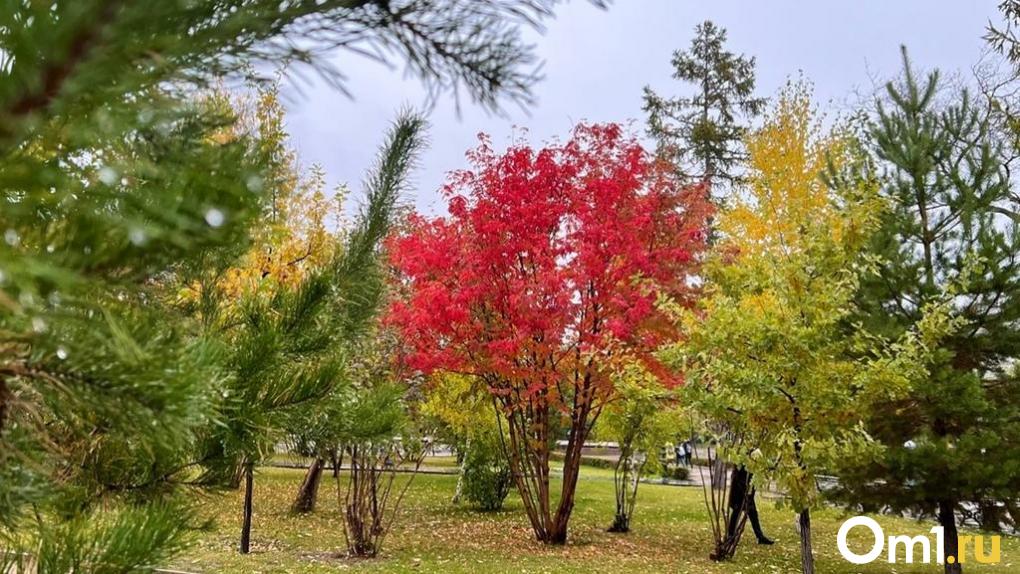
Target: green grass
<point>670,533</point>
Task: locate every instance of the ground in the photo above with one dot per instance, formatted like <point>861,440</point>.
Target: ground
<point>670,533</point>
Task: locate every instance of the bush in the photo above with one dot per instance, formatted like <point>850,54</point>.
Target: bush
<point>486,480</point>
<point>592,461</point>
<point>676,472</point>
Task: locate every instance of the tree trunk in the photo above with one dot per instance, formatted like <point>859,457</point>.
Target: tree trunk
<point>309,491</point>
<point>5,399</point>
<point>528,452</point>
<point>571,471</point>
<point>236,478</point>
<point>992,516</point>
<point>336,460</point>
<point>461,467</point>
<point>557,533</point>
<point>718,474</point>
<point>249,484</point>
<point>1013,510</point>
<point>621,524</point>
<point>807,557</point>
<point>947,519</point>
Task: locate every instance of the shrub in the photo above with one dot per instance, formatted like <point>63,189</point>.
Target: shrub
<point>592,461</point>
<point>676,472</point>
<point>486,480</point>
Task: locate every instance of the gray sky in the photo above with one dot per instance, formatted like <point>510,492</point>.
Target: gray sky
<point>596,63</point>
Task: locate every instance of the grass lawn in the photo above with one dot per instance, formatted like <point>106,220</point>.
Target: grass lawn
<point>670,534</point>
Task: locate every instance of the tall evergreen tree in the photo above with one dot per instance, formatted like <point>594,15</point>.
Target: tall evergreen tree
<point>702,133</point>
<point>113,180</point>
<point>954,442</point>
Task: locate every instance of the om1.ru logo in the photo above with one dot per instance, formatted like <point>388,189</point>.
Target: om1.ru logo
<point>910,544</point>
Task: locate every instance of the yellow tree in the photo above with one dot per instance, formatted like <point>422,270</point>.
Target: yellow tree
<point>300,229</point>
<point>297,237</point>
<point>463,410</point>
<point>768,353</point>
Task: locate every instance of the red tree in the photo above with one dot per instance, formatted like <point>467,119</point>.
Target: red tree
<point>545,274</point>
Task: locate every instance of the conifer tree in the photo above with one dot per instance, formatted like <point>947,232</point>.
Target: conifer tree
<point>702,134</point>
<point>1003,38</point>
<point>287,349</point>
<point>104,382</point>
<point>947,235</point>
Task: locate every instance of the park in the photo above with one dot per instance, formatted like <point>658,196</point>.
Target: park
<point>670,534</point>
<point>307,286</point>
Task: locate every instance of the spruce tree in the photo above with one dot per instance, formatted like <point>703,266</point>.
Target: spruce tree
<point>702,134</point>
<point>117,183</point>
<point>954,443</point>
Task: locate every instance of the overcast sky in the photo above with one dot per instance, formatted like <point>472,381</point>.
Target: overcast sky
<point>596,63</point>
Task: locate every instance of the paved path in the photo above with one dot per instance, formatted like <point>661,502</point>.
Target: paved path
<point>697,477</point>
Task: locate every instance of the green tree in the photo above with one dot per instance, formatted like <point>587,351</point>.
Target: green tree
<point>950,232</point>
<point>377,437</point>
<point>767,354</point>
<point>104,382</point>
<point>643,417</point>
<point>1003,38</point>
<point>371,424</point>
<point>69,57</point>
<point>703,134</point>
<point>287,348</point>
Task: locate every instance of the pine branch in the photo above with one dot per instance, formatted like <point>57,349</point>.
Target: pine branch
<point>358,279</point>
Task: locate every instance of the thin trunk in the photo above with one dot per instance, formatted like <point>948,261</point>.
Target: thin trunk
<point>522,472</point>
<point>718,473</point>
<point>626,478</point>
<point>620,525</point>
<point>236,478</point>
<point>947,519</point>
<point>727,522</point>
<point>308,493</point>
<point>5,399</point>
<point>621,522</point>
<point>566,505</point>
<point>335,459</point>
<point>992,516</point>
<point>529,450</point>
<point>926,234</point>
<point>462,468</point>
<point>1013,510</point>
<point>807,557</point>
<point>571,466</point>
<point>709,169</point>
<point>249,486</point>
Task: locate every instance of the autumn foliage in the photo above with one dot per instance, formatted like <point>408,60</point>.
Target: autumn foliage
<point>542,279</point>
